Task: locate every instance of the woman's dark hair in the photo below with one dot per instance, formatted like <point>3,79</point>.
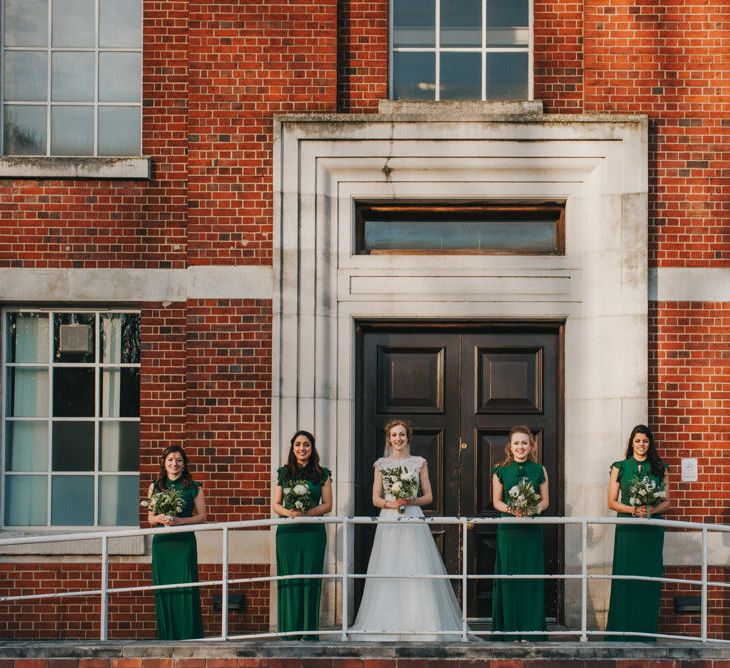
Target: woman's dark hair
<point>312,471</point>
<point>655,461</point>
<point>519,429</point>
<point>185,477</point>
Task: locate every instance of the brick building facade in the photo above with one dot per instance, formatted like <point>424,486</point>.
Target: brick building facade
<point>233,236</point>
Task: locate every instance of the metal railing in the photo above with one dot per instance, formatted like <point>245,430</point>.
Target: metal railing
<point>345,577</point>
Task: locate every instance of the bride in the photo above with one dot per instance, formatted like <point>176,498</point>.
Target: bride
<point>395,608</point>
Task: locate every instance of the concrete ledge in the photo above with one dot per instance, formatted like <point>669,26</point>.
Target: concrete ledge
<point>605,655</point>
<point>12,167</point>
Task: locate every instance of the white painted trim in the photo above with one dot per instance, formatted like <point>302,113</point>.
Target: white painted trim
<point>105,286</point>
<point>12,167</point>
<point>689,284</point>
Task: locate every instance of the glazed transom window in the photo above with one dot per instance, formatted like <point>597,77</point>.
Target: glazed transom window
<point>72,77</point>
<point>460,228</point>
<point>70,418</point>
<point>461,49</point>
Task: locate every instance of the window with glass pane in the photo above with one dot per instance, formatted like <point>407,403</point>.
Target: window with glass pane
<point>71,77</point>
<point>460,49</point>
<point>519,228</point>
<point>71,418</point>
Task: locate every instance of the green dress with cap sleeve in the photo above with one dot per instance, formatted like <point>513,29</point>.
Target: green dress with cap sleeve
<point>300,550</point>
<point>519,605</point>
<point>637,550</point>
<point>175,559</point>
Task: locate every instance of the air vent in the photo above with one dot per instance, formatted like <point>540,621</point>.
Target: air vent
<point>75,339</point>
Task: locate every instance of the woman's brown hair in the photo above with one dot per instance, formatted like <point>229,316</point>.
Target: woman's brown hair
<point>508,456</point>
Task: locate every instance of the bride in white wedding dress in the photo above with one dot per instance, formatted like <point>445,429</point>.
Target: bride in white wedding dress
<point>395,608</point>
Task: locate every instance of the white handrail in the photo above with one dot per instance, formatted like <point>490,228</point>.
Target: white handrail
<point>345,577</point>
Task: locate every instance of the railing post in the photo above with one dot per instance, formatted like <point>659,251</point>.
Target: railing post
<point>464,577</point>
<point>224,592</point>
<point>704,585</point>
<point>345,575</point>
<point>104,587</point>
<point>584,583</point>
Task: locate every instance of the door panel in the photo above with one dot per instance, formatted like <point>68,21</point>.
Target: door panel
<point>462,388</point>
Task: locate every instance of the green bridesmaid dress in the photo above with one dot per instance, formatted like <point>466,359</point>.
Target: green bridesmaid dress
<point>300,550</point>
<point>519,605</point>
<point>175,559</point>
<point>637,550</point>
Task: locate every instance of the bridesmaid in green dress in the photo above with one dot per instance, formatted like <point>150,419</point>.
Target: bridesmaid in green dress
<point>637,549</point>
<point>300,546</point>
<point>519,605</point>
<point>175,556</point>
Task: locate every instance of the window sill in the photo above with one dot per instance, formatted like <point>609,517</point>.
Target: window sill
<point>123,546</point>
<point>461,108</point>
<point>29,167</point>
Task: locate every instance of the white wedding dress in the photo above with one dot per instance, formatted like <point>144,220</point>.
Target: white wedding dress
<point>393,608</point>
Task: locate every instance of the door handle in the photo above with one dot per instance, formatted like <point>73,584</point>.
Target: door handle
<point>463,445</point>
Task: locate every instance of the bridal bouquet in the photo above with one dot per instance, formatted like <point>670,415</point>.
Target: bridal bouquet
<point>297,496</point>
<point>400,483</point>
<point>168,502</point>
<point>524,497</point>
<point>646,492</point>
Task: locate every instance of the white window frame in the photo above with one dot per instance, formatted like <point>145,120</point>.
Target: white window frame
<point>49,104</point>
<point>483,50</point>
<point>97,419</point>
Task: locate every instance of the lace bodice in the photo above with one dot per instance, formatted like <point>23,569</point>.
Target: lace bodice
<point>412,465</point>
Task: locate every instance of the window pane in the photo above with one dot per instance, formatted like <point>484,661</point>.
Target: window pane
<point>119,500</point>
<point>120,338</point>
<point>71,131</point>
<point>26,74</point>
<point>73,446</point>
<point>516,236</point>
<point>461,76</point>
<point>507,76</point>
<point>72,500</point>
<point>73,392</point>
<point>414,23</point>
<point>26,446</point>
<point>72,76</point>
<point>24,132</point>
<point>119,131</point>
<point>26,22</point>
<point>73,337</point>
<point>120,393</point>
<point>119,77</point>
<point>25,500</point>
<point>27,392</point>
<point>28,333</point>
<point>414,76</point>
<point>119,445</point>
<point>73,23</point>
<point>461,23</point>
<point>120,23</point>
<point>508,23</point>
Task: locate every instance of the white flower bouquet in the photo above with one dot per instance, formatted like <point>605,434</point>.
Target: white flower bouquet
<point>644,491</point>
<point>400,484</point>
<point>168,502</point>
<point>524,497</point>
<point>297,496</point>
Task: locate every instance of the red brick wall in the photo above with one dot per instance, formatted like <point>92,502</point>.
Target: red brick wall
<point>249,61</point>
<point>228,405</point>
<point>131,615</point>
<point>718,603</point>
<point>689,388</point>
<point>667,60</point>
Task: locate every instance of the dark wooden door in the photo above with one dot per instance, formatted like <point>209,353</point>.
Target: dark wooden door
<point>462,388</point>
